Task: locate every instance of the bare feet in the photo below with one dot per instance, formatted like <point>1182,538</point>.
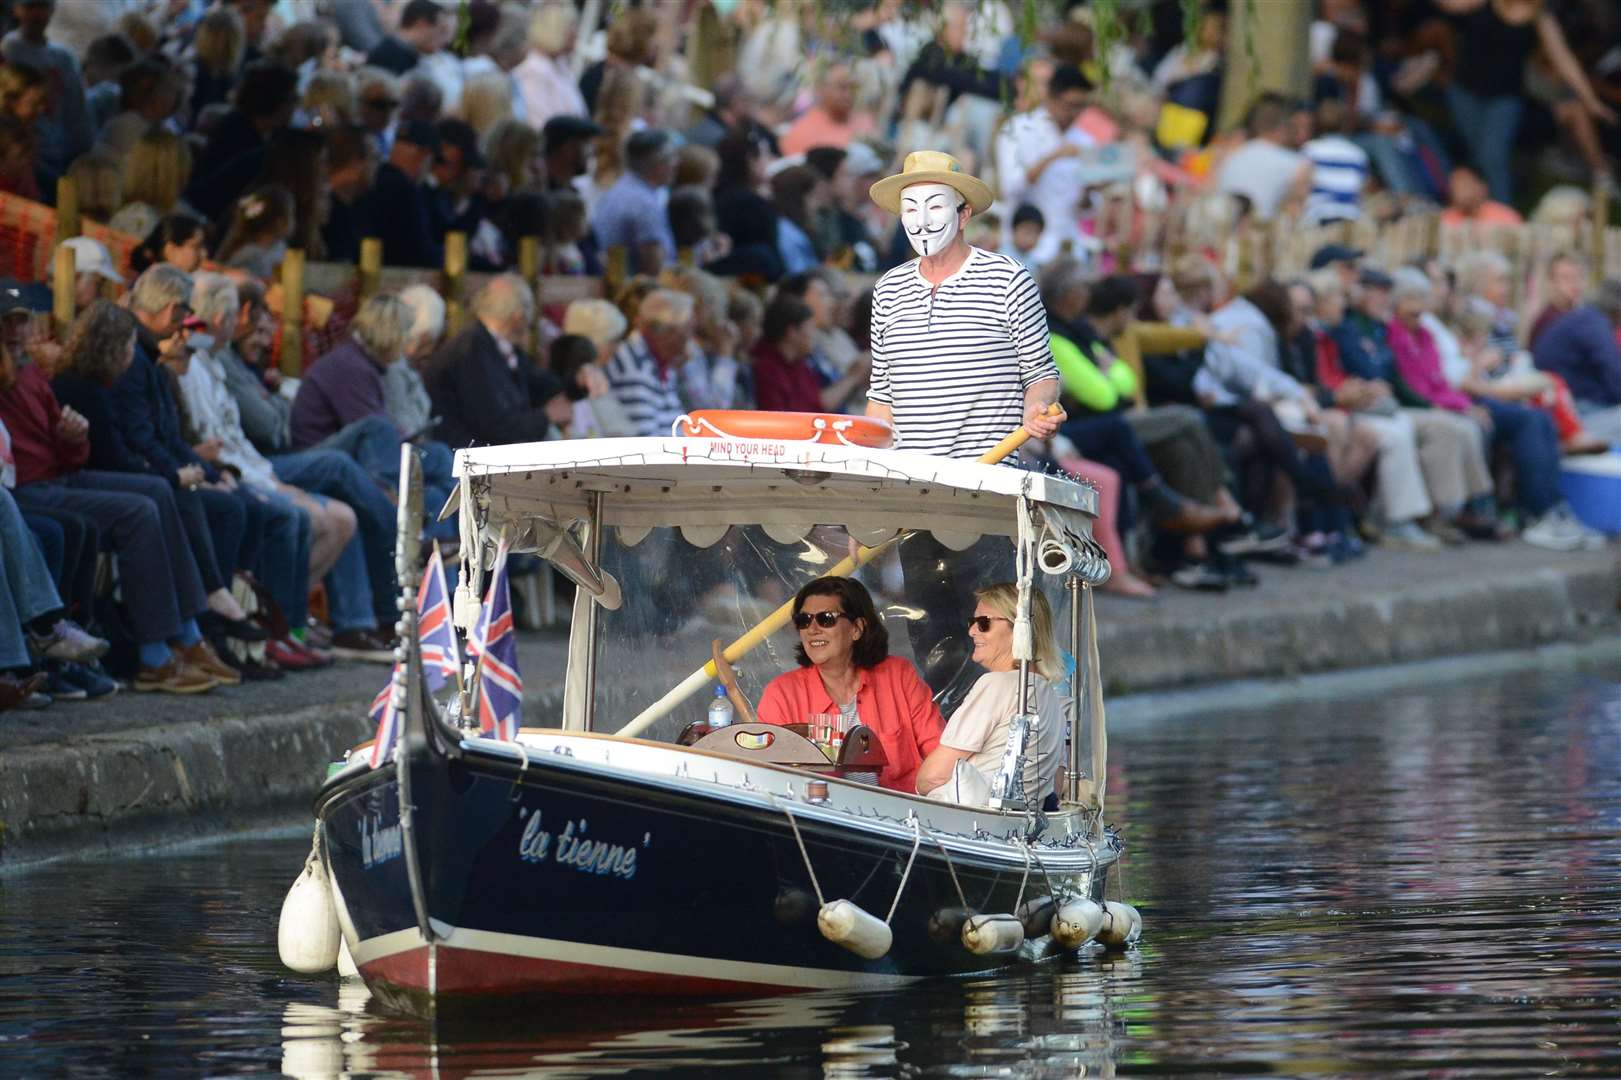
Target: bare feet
<point>1122,582</point>
<point>1195,517</point>
<point>1583,443</point>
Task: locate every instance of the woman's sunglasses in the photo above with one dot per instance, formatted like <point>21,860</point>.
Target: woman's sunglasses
<point>825,619</point>
<point>983,622</point>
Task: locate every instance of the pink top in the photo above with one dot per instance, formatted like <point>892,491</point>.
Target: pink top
<point>893,700</point>
<point>1490,213</point>
<point>816,128</point>
<point>1418,363</point>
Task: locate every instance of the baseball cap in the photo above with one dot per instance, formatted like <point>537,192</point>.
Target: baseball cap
<point>1333,253</point>
<point>562,129</point>
<point>90,256</point>
<point>862,160</point>
<point>460,134</point>
<point>23,298</point>
<point>1374,278</point>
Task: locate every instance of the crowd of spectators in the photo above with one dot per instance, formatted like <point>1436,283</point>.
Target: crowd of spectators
<point>1287,421</point>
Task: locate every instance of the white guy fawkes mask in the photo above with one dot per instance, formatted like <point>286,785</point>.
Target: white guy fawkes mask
<point>929,215</point>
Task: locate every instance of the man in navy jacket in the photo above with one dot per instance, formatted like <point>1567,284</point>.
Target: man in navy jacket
<point>1581,348</point>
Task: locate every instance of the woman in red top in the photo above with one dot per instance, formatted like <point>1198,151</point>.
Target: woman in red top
<point>845,668</point>
<point>784,380</point>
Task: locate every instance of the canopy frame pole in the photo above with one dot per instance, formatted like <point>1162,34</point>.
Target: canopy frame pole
<point>592,622</point>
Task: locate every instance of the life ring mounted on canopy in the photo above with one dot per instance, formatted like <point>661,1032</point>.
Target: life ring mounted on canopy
<point>794,427</point>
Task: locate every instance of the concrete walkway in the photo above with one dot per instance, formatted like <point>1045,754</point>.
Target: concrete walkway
<point>148,768</point>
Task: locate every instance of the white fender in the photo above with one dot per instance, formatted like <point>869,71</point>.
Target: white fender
<point>843,923</point>
<point>1122,926</point>
<point>1036,915</point>
<point>1076,922</point>
<point>347,968</point>
<point>985,935</point>
<point>307,936</point>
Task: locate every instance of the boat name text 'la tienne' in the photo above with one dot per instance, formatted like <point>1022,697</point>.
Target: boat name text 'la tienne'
<point>571,848</point>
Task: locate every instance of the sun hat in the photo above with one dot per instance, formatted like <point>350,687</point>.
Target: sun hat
<point>90,256</point>
<point>932,167</point>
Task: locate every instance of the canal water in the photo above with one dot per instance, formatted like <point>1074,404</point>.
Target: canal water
<point>1427,884</point>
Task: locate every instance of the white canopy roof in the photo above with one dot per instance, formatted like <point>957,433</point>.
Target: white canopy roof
<point>701,485</point>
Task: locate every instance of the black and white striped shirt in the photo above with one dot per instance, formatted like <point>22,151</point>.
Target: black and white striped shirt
<point>953,362</point>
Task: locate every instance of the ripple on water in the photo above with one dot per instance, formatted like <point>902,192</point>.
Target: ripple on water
<point>1426,885</point>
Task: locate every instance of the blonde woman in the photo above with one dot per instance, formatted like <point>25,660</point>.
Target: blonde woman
<point>156,170</point>
<point>217,50</point>
<point>962,768</point>
<point>486,101</point>
<point>513,150</point>
<point>100,182</point>
<point>329,96</point>
<point>598,320</point>
<point>546,79</point>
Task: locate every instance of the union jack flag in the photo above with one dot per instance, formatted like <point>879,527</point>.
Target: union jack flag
<point>494,641</point>
<point>388,723</point>
<point>441,658</point>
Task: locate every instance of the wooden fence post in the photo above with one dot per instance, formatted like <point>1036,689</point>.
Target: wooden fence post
<point>62,288</point>
<point>292,313</point>
<point>529,270</point>
<point>455,280</point>
<point>67,209</point>
<point>371,266</point>
<point>614,266</point>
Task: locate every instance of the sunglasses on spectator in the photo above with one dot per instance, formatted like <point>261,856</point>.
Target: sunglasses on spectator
<point>825,619</point>
<point>983,622</point>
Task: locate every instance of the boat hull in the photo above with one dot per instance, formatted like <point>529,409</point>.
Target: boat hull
<point>552,876</point>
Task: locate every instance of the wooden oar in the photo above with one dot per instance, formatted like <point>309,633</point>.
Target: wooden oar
<point>779,618</point>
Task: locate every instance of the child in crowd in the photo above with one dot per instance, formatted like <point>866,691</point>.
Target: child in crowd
<point>1025,235</point>
<point>261,223</point>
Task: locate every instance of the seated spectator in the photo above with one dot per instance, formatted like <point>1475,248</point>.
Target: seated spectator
<point>711,377</point>
<point>99,176</point>
<point>1264,170</point>
<point>798,193</point>
<point>567,234</point>
<point>1339,168</point>
<point>261,222</point>
<point>404,393</point>
<point>92,267</point>
<point>567,146</point>
<point>1564,285</point>
<point>217,49</point>
<point>135,512</point>
<point>262,104</point>
<point>1527,434</point>
<point>351,169</point>
<point>784,380</point>
<point>645,370</point>
<point>832,120</point>
<point>1468,203</point>
<point>156,171</point>
<point>1581,348</point>
<point>630,214</point>
<point>693,228</point>
<point>597,413</point>
<point>545,79</point>
<point>1024,236</point>
<point>398,203</point>
<point>346,385</point>
<point>600,321</point>
<point>485,390</point>
<point>64,125</point>
<point>179,240</point>
<point>742,212</point>
<point>149,92</point>
<point>421,32</point>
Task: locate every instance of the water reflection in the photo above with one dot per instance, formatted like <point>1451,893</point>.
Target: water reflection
<point>1423,884</point>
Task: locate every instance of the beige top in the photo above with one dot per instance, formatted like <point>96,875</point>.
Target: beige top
<point>980,727</point>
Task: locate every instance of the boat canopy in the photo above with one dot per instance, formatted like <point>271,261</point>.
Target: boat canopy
<point>705,486</point>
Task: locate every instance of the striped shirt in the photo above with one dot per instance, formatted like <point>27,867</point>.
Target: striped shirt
<point>953,362</point>
<point>1339,172</point>
<point>650,394</point>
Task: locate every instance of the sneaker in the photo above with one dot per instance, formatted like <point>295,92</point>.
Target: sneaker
<point>317,636</point>
<point>68,641</point>
<point>1558,530</point>
<point>1200,578</point>
<point>60,687</point>
<point>203,657</point>
<point>89,679</point>
<point>39,699</point>
<point>174,677</point>
<point>1260,538</point>
<point>366,645</point>
<point>1409,536</point>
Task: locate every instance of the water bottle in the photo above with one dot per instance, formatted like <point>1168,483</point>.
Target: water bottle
<point>720,710</point>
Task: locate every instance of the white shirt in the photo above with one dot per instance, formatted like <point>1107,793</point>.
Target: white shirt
<point>1247,367</point>
<point>953,362</point>
<point>1024,140</point>
<point>1263,172</point>
<point>548,88</point>
<point>980,726</point>
<point>214,413</point>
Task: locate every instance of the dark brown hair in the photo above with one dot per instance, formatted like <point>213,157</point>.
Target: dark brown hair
<point>872,647</point>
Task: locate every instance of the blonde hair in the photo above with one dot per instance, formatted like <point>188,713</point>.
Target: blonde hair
<point>1473,269</point>
<point>156,169</point>
<point>333,90</point>
<point>598,320</point>
<point>486,101</point>
<point>220,41</point>
<point>381,326</point>
<point>1003,598</point>
<point>511,148</point>
<point>100,180</point>
<point>1562,205</point>
<point>551,26</point>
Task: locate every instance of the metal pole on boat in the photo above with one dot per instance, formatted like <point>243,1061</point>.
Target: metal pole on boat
<point>1073,584</point>
<point>589,712</point>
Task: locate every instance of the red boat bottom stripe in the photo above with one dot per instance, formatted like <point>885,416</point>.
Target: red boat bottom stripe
<point>481,962</point>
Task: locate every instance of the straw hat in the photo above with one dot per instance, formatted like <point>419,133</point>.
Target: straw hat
<point>932,167</point>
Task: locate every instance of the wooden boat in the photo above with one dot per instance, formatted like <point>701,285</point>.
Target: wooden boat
<point>598,855</point>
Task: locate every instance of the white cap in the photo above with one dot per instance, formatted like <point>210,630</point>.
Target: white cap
<point>91,257</point>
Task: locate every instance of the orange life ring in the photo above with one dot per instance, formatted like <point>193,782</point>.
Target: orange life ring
<point>799,427</point>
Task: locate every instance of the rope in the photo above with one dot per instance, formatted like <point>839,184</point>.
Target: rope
<point>952,869</point>
<point>1024,880</point>
<point>809,869</point>
<point>917,842</point>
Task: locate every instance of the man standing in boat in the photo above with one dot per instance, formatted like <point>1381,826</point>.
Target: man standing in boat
<point>960,358</point>
<point>959,337</point>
